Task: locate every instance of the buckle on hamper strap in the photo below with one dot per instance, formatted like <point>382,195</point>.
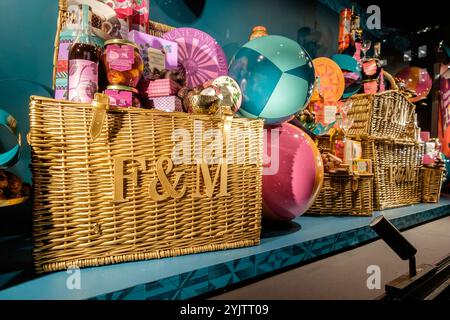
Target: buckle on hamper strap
<point>227,121</point>
<point>355,183</point>
<point>100,106</point>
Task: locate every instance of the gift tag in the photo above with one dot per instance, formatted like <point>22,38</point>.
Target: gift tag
<point>329,114</point>
<point>362,166</point>
<point>156,59</point>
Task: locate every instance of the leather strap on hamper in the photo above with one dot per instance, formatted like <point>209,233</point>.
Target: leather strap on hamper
<point>355,183</point>
<point>100,106</point>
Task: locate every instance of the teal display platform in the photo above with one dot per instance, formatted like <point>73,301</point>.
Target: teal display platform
<point>189,276</point>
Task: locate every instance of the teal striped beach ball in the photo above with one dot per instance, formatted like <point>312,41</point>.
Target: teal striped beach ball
<point>276,76</point>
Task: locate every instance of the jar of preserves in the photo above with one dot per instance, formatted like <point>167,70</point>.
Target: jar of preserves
<point>123,62</point>
<point>122,96</point>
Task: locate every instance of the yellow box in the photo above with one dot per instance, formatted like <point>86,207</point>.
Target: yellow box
<point>362,166</point>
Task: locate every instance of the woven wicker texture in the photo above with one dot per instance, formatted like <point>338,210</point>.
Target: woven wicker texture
<point>344,194</point>
<point>384,115</point>
<point>431,184</point>
<point>158,29</point>
<point>76,221</point>
<point>396,167</point>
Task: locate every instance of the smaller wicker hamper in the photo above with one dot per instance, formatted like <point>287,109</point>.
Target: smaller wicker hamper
<point>431,183</point>
<point>344,194</point>
<point>395,166</point>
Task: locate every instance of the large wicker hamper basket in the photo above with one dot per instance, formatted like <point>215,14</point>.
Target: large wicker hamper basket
<point>384,115</point>
<point>121,197</point>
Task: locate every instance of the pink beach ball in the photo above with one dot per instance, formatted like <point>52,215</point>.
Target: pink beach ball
<point>292,189</point>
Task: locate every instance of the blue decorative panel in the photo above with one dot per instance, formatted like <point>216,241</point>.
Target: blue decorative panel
<point>191,284</point>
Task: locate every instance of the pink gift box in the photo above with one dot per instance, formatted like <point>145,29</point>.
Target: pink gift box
<point>162,88</point>
<point>123,8</point>
<point>132,15</point>
<point>428,159</point>
<point>425,136</point>
<point>167,104</point>
<point>146,41</point>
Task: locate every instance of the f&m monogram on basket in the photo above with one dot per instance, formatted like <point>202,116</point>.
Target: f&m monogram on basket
<point>173,188</point>
<point>399,174</point>
<point>398,116</point>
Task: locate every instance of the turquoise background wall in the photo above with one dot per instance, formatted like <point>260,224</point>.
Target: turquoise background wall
<point>28,28</point>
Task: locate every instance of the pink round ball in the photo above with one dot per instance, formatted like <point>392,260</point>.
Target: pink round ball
<point>291,191</point>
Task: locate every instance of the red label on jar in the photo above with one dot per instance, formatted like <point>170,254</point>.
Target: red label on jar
<point>83,80</point>
<point>339,149</point>
<point>120,58</point>
<point>371,87</point>
<point>370,67</point>
<point>119,98</point>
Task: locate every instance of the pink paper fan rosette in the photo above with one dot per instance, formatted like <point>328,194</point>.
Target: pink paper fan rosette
<point>200,55</point>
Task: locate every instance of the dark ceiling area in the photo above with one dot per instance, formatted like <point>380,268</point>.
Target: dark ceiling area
<point>411,16</point>
<point>406,25</point>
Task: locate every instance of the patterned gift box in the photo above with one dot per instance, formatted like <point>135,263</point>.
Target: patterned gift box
<point>146,42</point>
<point>162,88</point>
<point>132,14</point>
<point>141,9</point>
<point>167,104</point>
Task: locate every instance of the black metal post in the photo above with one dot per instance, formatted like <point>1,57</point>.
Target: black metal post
<point>412,266</point>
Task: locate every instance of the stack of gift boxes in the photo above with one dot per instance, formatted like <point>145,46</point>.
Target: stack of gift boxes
<point>160,81</point>
<point>161,94</point>
<point>158,90</point>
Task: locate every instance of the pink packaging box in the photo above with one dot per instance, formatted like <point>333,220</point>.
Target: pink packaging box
<point>124,12</point>
<point>141,11</point>
<point>425,136</point>
<point>167,104</point>
<point>146,41</point>
<point>132,14</point>
<point>162,88</point>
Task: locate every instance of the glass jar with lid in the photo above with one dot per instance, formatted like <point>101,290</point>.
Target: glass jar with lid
<point>123,96</point>
<point>123,62</point>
